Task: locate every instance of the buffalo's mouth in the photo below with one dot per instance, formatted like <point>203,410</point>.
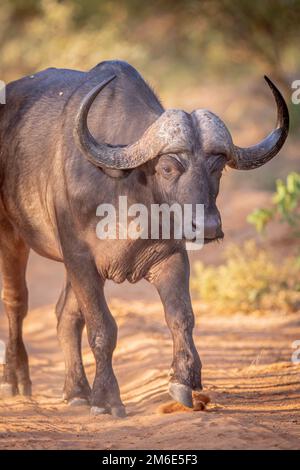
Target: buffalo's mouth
<point>216,239</point>
<point>218,236</point>
<point>205,240</point>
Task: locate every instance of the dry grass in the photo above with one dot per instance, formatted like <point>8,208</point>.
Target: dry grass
<point>248,280</point>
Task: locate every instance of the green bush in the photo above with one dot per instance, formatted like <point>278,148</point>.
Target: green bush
<point>286,206</point>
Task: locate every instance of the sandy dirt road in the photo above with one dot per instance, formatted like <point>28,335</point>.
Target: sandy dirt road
<point>255,390</point>
<point>247,371</point>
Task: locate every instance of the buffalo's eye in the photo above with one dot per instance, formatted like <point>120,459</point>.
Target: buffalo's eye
<point>169,167</point>
<point>167,170</point>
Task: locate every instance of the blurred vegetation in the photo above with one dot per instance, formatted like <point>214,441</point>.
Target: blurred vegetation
<point>186,37</point>
<point>248,280</point>
<point>286,207</point>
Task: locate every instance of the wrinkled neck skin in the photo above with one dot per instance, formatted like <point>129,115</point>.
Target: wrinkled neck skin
<point>116,259</point>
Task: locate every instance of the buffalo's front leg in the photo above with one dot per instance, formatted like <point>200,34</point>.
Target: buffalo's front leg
<point>101,331</point>
<point>172,282</point>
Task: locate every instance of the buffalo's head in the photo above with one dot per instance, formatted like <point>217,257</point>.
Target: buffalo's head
<point>187,153</point>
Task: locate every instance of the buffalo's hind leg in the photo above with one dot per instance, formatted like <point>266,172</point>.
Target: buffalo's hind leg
<point>70,324</point>
<point>13,261</point>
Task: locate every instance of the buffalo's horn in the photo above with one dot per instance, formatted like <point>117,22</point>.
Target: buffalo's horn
<point>259,154</point>
<point>111,156</point>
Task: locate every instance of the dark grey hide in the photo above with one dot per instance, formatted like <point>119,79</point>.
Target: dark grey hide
<point>54,172</point>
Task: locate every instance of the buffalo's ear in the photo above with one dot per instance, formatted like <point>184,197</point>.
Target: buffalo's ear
<point>113,173</point>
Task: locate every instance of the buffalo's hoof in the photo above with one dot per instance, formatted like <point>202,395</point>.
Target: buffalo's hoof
<point>97,410</point>
<point>7,390</point>
<point>181,393</point>
<point>118,411</point>
<point>115,411</point>
<point>77,401</point>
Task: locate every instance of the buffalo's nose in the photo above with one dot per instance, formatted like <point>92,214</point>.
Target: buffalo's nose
<point>213,227</point>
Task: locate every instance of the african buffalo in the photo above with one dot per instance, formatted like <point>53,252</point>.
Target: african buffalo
<point>70,140</point>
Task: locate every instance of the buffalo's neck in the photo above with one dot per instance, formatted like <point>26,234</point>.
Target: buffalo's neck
<point>128,259</point>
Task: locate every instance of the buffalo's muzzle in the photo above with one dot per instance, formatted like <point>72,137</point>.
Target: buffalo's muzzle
<point>212,228</point>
